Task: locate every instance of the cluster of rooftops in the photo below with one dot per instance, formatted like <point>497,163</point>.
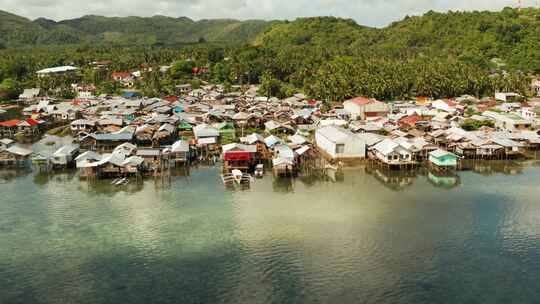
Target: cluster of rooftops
<point>214,122</point>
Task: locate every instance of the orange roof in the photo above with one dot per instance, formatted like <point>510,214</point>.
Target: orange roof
<point>450,102</point>
<point>361,101</point>
<point>32,122</point>
<point>121,74</point>
<point>10,123</point>
<point>411,120</point>
<point>170,98</point>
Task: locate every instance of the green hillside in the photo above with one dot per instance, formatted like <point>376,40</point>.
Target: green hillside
<point>436,55</point>
<point>21,32</point>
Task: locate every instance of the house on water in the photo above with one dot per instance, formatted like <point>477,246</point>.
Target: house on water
<point>393,154</point>
<point>444,160</point>
<point>65,156</point>
<point>180,152</point>
<point>283,163</point>
<point>240,157</point>
<point>338,143</point>
<point>15,156</point>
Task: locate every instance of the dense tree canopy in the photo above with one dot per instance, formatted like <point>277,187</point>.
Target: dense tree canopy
<point>436,55</point>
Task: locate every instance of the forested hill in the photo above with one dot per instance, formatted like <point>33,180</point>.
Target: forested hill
<point>487,39</point>
<point>16,31</point>
<point>436,55</point>
<point>510,35</point>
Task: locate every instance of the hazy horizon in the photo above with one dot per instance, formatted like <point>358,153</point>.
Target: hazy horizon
<point>366,12</point>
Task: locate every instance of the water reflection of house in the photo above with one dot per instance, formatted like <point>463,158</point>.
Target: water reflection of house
<point>392,179</point>
<point>15,156</point>
<point>444,180</point>
<point>488,168</point>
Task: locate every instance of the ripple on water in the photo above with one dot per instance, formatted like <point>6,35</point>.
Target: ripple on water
<point>350,242</point>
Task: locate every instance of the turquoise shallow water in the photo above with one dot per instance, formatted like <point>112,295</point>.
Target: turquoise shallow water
<point>370,237</point>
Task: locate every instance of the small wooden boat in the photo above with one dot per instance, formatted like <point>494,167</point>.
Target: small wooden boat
<point>237,175</point>
<point>228,179</point>
<point>246,180</point>
<point>259,171</point>
<point>121,182</point>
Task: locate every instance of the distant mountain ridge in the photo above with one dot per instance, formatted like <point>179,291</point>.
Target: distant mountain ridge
<point>17,31</point>
<point>510,36</point>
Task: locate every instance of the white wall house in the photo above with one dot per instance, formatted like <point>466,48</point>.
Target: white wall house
<point>364,108</point>
<point>444,105</point>
<point>506,96</point>
<point>536,86</point>
<point>390,152</point>
<point>527,113</point>
<point>509,121</point>
<point>339,143</point>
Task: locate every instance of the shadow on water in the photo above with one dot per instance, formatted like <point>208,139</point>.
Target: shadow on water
<point>283,185</point>
<point>8,175</point>
<point>64,176</point>
<point>488,168</point>
<point>393,179</point>
<point>398,180</point>
<point>108,188</point>
<point>125,275</point>
<point>197,243</point>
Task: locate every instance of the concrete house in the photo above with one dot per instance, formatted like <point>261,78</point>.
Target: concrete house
<point>445,105</point>
<point>29,94</point>
<point>363,108</point>
<point>509,121</point>
<point>443,159</point>
<point>65,156</point>
<point>6,143</point>
<point>15,156</point>
<point>339,143</point>
<point>61,70</point>
<point>507,97</point>
<point>392,153</point>
<point>536,86</point>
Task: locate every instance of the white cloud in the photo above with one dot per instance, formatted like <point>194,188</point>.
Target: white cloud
<point>367,12</point>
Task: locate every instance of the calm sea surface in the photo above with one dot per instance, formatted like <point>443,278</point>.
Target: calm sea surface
<point>369,237</point>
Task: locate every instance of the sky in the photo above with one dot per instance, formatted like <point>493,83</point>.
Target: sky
<point>365,12</point>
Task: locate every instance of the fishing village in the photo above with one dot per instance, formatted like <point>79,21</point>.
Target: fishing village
<point>126,138</point>
<point>269,151</point>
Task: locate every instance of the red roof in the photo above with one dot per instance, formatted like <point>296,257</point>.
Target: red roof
<point>199,70</point>
<point>361,101</point>
<point>170,98</point>
<point>236,155</point>
<point>411,120</point>
<point>10,123</point>
<point>32,122</point>
<point>121,74</point>
<point>450,102</point>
